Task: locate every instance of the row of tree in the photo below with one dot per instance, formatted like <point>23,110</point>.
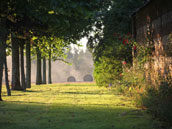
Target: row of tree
<point>43,28</point>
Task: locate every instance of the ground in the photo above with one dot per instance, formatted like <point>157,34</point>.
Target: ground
<point>71,106</point>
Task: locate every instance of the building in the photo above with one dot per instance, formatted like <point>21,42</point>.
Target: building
<point>152,26</point>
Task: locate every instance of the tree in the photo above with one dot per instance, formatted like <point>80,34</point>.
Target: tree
<point>67,20</point>
<point>28,64</point>
<point>3,34</point>
<point>23,83</point>
<point>44,81</point>
<point>110,42</point>
<point>15,64</point>
<point>39,70</point>
<point>49,68</point>
<point>53,49</point>
<point>6,75</point>
<point>1,67</point>
<point>2,48</point>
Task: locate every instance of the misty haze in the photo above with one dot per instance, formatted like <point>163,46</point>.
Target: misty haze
<point>81,64</point>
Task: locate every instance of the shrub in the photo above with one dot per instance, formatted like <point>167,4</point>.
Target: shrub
<point>108,67</point>
<point>106,71</point>
<point>158,101</point>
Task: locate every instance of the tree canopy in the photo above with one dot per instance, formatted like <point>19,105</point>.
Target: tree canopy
<point>109,43</point>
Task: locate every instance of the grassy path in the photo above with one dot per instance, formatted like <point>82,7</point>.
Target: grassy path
<point>71,106</point>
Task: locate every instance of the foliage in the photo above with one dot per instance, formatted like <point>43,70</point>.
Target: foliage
<point>107,69</point>
<point>110,43</point>
<point>156,98</point>
<point>67,20</point>
<point>133,83</point>
<point>158,101</point>
<point>116,20</point>
<point>105,73</point>
<point>52,45</point>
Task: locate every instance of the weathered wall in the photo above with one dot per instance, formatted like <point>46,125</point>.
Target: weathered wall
<point>152,26</point>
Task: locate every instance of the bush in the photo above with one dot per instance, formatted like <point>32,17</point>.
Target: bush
<point>158,101</point>
<point>106,71</point>
<point>108,65</point>
<point>133,81</point>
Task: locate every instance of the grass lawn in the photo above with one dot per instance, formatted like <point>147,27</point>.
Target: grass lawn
<point>71,106</point>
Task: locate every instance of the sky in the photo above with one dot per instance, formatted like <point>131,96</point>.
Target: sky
<point>83,42</point>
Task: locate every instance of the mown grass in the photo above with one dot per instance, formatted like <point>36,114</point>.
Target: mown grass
<point>71,106</point>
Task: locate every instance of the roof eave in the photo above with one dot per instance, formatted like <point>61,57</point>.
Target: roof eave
<point>138,9</point>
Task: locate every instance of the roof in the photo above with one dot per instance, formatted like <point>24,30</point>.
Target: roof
<point>139,9</point>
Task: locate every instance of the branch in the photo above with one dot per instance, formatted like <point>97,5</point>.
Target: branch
<point>63,61</point>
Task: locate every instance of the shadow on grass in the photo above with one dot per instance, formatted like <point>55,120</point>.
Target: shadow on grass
<point>19,115</point>
<point>32,91</point>
<point>79,84</point>
<point>82,93</point>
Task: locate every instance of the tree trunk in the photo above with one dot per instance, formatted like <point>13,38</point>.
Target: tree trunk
<point>1,64</point>
<point>49,69</point>
<point>44,71</point>
<point>28,65</point>
<point>38,72</point>
<point>22,65</point>
<point>6,75</point>
<point>3,36</point>
<point>15,65</point>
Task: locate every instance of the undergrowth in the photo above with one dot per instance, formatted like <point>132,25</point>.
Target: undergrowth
<point>155,98</point>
